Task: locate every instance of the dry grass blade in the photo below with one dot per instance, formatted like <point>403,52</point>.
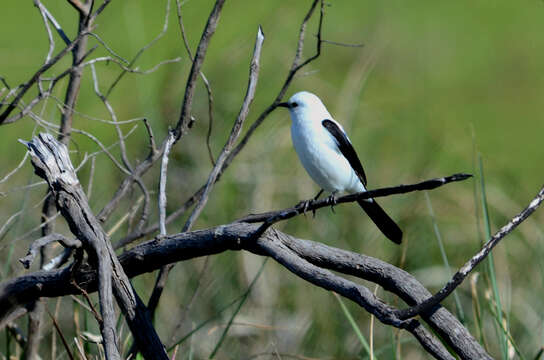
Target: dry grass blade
<point>63,339</point>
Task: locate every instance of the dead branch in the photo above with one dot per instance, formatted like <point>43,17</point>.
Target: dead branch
<point>43,241</point>
<point>235,133</point>
<point>51,162</point>
<point>154,254</point>
<point>204,80</point>
<point>185,115</point>
<point>302,207</point>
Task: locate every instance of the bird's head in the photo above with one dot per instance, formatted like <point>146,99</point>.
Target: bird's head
<point>306,106</point>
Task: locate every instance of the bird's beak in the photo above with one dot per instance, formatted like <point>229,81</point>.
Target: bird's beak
<point>284,104</point>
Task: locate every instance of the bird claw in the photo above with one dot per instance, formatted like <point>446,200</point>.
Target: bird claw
<point>332,200</point>
<point>305,204</point>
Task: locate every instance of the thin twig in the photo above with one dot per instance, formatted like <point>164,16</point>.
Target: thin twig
<point>43,241</point>
<point>162,183</point>
<point>275,216</point>
<point>59,331</point>
<point>185,114</point>
<point>45,14</point>
<point>128,69</point>
<point>142,50</point>
<point>235,132</point>
<point>55,23</point>
<point>204,80</point>
<point>122,146</point>
<point>8,175</point>
<point>108,49</point>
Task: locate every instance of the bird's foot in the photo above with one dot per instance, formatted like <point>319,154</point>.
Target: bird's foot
<point>305,204</point>
<point>314,200</point>
<point>332,201</point>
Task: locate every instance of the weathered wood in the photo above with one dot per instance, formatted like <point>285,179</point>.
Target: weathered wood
<point>153,254</point>
<point>52,162</point>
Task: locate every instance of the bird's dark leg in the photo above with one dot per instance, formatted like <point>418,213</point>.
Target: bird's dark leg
<point>332,200</point>
<point>315,198</point>
<point>318,194</point>
<point>306,203</point>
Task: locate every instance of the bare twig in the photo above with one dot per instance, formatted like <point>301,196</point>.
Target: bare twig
<point>122,146</point>
<point>8,175</point>
<point>45,14</point>
<point>43,241</point>
<point>55,23</point>
<point>275,216</point>
<point>128,69</point>
<point>235,133</point>
<point>142,50</point>
<point>185,115</point>
<point>341,43</point>
<point>7,224</point>
<point>162,183</point>
<point>63,339</point>
<point>108,49</point>
<point>204,80</point>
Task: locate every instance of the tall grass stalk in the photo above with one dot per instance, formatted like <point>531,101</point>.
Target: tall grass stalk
<point>354,326</point>
<point>503,341</point>
<point>240,304</point>
<point>238,308</point>
<point>459,308</point>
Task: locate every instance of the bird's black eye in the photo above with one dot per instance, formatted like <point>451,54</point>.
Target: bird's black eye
<point>294,105</point>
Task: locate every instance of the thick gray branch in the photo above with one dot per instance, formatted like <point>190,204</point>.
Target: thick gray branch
<point>154,254</point>
<point>51,162</point>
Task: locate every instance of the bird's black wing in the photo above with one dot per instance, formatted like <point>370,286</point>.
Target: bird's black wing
<point>345,148</point>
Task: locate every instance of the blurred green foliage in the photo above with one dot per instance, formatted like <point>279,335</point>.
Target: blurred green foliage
<point>435,84</point>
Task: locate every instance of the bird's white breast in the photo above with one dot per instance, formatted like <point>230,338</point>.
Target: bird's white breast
<point>322,159</point>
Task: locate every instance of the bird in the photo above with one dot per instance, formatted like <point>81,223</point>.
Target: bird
<point>327,154</point>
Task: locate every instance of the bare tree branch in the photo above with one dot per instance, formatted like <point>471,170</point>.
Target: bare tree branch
<point>43,241</point>
<point>27,85</point>
<point>235,133</point>
<point>185,115</point>
<point>204,80</point>
<point>154,254</point>
<point>51,161</point>
<point>162,183</point>
<point>272,217</point>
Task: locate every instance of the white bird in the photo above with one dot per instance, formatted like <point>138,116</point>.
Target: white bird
<point>329,158</point>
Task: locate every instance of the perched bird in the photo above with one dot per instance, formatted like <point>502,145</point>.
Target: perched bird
<point>329,158</point>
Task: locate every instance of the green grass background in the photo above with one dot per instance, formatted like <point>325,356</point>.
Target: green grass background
<point>436,84</point>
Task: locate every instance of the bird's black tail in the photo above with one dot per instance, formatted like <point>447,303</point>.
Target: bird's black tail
<point>387,226</point>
